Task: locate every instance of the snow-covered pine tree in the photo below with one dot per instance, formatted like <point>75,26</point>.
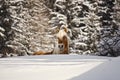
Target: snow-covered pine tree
<point>6,32</point>
<point>29,25</point>
<point>110,34</point>
<point>86,23</point>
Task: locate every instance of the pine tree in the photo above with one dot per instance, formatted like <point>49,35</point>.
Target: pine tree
<point>109,36</point>
<point>5,27</point>
<point>22,28</point>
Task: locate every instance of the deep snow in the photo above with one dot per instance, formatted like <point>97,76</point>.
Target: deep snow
<point>60,67</point>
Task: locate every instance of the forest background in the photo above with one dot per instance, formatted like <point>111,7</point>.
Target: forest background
<point>27,26</point>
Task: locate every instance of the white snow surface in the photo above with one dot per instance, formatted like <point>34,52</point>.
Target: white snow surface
<point>60,67</point>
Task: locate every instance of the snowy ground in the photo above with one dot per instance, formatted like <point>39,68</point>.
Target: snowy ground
<point>60,67</point>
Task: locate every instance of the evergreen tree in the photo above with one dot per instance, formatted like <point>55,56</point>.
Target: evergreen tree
<point>6,32</point>
<point>109,35</point>
<point>22,27</point>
